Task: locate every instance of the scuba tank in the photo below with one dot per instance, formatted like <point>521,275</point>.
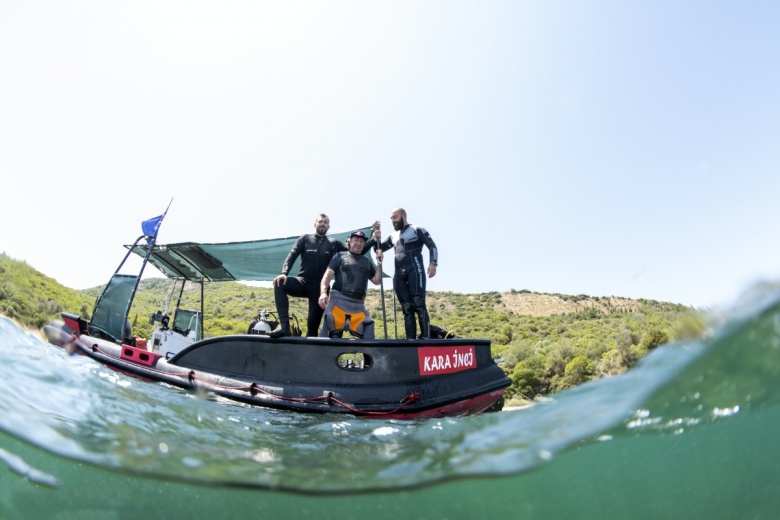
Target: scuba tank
<point>262,324</point>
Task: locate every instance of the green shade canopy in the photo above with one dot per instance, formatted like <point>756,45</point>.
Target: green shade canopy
<point>258,260</point>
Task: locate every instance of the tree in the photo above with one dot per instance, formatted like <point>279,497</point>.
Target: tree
<point>653,338</point>
<point>529,377</point>
<point>578,371</point>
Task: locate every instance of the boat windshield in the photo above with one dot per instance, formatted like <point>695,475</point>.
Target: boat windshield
<point>187,322</point>
<point>110,314</point>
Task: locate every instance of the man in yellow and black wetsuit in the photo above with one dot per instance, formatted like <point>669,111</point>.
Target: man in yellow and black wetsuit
<point>352,272</point>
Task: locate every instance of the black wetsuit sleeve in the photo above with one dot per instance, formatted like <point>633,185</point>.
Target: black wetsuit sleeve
<point>334,262</point>
<point>386,244</point>
<point>368,246</point>
<point>294,253</point>
<point>428,241</point>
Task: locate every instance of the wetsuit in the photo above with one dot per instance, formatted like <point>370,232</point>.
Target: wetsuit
<point>316,252</point>
<point>409,277</point>
<point>352,273</point>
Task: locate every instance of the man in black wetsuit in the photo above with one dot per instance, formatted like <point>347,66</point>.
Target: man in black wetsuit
<point>316,252</point>
<point>409,278</point>
<point>352,271</point>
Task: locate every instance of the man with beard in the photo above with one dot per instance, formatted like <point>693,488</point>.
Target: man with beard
<point>409,278</point>
<point>345,304</point>
<point>316,251</point>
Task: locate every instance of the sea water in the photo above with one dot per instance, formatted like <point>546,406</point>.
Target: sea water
<point>691,432</point>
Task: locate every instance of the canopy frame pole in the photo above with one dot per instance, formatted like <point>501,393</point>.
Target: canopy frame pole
<point>202,285</point>
<point>395,316</point>
<point>382,295</point>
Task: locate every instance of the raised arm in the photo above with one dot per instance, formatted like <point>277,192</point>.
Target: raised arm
<point>372,242</point>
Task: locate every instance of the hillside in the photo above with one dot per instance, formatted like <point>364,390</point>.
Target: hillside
<point>547,342</point>
<point>33,299</point>
<point>535,304</point>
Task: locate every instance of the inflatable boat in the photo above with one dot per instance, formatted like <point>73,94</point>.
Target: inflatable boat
<point>382,378</point>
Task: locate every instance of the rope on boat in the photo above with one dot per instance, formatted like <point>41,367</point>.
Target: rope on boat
<point>254,389</point>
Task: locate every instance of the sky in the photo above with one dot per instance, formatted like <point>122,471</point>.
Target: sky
<point>602,148</point>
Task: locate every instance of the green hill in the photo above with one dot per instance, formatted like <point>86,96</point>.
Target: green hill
<point>33,299</point>
<point>546,342</point>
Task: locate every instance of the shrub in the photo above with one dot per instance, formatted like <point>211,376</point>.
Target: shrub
<point>578,370</point>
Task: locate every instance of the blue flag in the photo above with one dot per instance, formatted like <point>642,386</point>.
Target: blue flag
<point>152,226</point>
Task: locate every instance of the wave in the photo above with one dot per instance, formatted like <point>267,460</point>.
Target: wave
<point>83,412</point>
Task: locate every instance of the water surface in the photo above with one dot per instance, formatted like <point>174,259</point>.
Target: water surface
<point>689,433</point>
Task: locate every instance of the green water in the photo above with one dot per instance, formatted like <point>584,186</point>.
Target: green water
<point>690,433</point>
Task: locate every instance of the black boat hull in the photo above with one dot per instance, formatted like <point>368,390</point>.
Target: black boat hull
<point>396,379</point>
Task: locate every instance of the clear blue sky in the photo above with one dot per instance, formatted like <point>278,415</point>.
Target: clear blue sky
<point>600,147</point>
